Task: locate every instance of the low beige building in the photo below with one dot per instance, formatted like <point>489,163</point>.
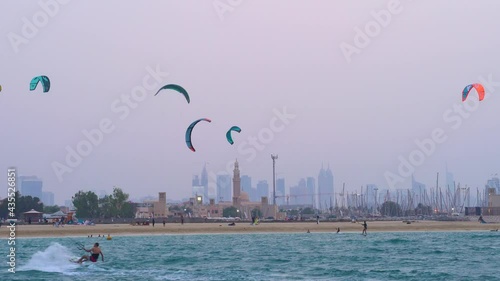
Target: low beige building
<point>149,209</point>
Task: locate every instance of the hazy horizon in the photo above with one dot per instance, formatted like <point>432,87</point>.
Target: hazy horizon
<point>245,65</point>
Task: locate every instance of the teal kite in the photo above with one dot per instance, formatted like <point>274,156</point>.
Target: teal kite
<point>190,130</point>
<point>44,80</point>
<point>175,88</point>
<point>228,134</point>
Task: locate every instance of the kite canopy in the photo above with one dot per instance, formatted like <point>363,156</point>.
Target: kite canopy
<point>44,80</point>
<point>0,88</point>
<point>479,89</point>
<point>175,88</point>
<point>228,134</point>
<point>189,131</point>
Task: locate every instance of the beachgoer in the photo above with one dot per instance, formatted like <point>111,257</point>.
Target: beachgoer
<point>308,231</point>
<point>94,254</point>
<point>338,229</point>
<point>163,222</point>
<point>317,219</point>
<point>182,219</point>
<point>153,222</point>
<point>365,227</point>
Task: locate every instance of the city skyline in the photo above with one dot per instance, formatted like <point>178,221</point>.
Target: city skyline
<point>246,180</point>
<point>378,97</point>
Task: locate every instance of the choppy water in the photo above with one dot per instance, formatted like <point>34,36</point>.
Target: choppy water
<point>314,256</point>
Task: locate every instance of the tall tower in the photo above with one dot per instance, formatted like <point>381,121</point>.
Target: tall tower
<point>204,182</point>
<point>236,184</point>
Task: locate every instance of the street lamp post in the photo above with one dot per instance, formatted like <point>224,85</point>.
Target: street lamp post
<point>274,157</point>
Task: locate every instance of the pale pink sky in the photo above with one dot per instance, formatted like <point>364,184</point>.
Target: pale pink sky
<point>263,55</point>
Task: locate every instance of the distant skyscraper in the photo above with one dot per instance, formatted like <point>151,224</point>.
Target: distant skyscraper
<point>294,195</point>
<point>204,183</point>
<point>418,190</point>
<point>280,191</point>
<point>371,196</point>
<point>494,183</point>
<point>224,188</point>
<point>48,198</point>
<point>31,186</point>
<point>492,187</point>
<point>301,193</point>
<point>325,188</point>
<point>196,181</point>
<point>450,181</point>
<point>263,189</point>
<point>311,191</point>
<point>246,184</point>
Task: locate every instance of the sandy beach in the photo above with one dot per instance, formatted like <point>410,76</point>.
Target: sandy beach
<point>240,227</point>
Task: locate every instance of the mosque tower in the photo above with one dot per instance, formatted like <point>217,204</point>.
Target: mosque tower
<point>236,184</point>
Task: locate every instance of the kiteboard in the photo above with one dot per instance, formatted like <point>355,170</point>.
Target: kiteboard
<point>74,260</point>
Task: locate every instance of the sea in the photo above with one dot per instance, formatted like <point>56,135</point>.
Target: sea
<point>266,256</point>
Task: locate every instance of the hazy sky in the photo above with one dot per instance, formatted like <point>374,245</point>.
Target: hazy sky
<point>240,65</point>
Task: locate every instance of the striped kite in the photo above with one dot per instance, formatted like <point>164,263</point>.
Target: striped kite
<point>479,89</point>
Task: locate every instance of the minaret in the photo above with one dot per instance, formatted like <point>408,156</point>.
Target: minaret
<point>204,182</point>
<point>236,184</point>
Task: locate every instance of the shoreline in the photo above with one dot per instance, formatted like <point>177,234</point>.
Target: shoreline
<point>49,231</point>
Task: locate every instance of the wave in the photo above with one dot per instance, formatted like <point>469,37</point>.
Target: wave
<point>53,259</point>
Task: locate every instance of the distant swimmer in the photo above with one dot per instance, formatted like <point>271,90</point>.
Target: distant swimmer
<point>365,227</point>
<point>494,230</point>
<point>109,237</point>
<point>95,252</point>
<point>308,231</point>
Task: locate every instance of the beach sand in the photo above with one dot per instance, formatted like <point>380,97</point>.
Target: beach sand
<point>240,227</point>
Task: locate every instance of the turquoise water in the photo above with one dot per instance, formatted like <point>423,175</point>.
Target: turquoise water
<point>314,256</point>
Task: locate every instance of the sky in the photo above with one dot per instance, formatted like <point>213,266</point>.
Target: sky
<point>350,84</point>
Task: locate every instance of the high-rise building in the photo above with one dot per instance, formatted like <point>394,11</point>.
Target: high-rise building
<point>224,188</point>
<point>196,181</point>
<point>31,186</point>
<point>246,184</point>
<point>311,191</point>
<point>418,190</point>
<point>371,196</point>
<point>280,191</point>
<point>262,189</point>
<point>294,195</point>
<point>204,183</point>
<point>494,183</point>
<point>450,181</point>
<point>48,198</point>
<point>302,192</point>
<point>325,188</point>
